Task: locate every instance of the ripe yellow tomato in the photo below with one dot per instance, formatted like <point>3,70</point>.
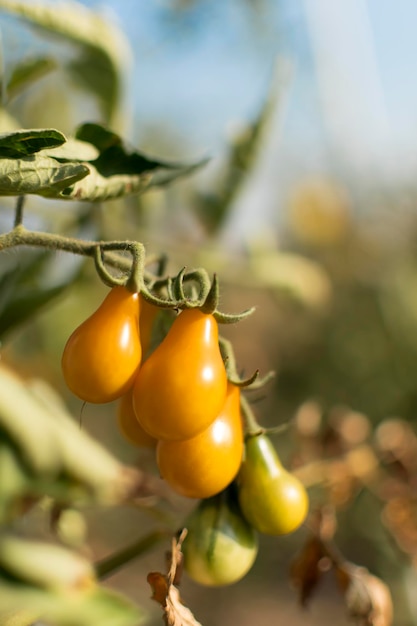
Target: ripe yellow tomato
<point>102,356</point>
<point>272,499</point>
<point>181,388</point>
<point>129,425</point>
<point>220,546</point>
<point>204,465</point>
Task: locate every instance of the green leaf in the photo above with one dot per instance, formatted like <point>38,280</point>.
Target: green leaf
<point>100,188</point>
<point>27,72</point>
<point>104,49</point>
<point>94,166</point>
<point>84,607</point>
<point>72,150</point>
<point>38,175</point>
<point>22,143</point>
<point>120,170</point>
<point>49,454</point>
<point>43,564</point>
<point>115,156</point>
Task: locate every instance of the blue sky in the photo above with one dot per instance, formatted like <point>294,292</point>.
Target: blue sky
<point>351,110</point>
<point>212,65</point>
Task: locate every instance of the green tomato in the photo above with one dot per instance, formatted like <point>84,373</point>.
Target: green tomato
<point>220,546</point>
<point>272,499</point>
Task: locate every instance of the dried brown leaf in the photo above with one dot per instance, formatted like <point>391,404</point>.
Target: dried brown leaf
<point>400,518</point>
<point>306,571</point>
<point>166,593</point>
<point>367,597</point>
<point>396,443</point>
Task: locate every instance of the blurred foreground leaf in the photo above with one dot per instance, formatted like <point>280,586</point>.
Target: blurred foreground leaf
<point>21,604</point>
<point>303,279</point>
<point>23,291</point>
<point>44,452</point>
<point>27,72</point>
<point>104,52</point>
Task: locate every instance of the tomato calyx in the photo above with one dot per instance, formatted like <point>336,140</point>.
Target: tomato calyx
<point>188,289</point>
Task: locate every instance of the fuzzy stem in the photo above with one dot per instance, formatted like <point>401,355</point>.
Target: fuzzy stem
<point>202,280</point>
<point>107,278</point>
<point>135,281</point>
<point>252,428</point>
<point>19,236</point>
<point>229,358</point>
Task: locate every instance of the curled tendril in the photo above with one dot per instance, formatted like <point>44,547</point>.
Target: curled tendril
<point>192,289</point>
<point>198,287</point>
<point>232,318</point>
<point>135,278</point>
<point>244,382</point>
<point>186,290</point>
<point>108,279</point>
<point>252,382</point>
<point>260,381</point>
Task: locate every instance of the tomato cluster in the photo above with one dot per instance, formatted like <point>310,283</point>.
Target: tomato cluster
<point>178,399</point>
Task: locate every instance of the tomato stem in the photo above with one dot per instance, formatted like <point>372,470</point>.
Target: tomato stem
<point>136,280</point>
<point>252,427</point>
<point>107,278</point>
<point>108,254</point>
<point>229,358</point>
<point>109,565</point>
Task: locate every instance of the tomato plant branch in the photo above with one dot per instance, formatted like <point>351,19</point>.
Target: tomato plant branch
<point>203,293</point>
<point>108,566</point>
<point>20,236</point>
